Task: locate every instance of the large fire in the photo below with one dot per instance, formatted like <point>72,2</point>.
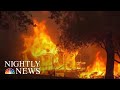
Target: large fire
<point>57,62</point>
<point>97,70</point>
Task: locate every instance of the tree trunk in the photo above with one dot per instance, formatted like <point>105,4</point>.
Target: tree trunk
<point>110,56</point>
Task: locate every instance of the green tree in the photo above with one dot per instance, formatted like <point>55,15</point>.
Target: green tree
<point>80,28</point>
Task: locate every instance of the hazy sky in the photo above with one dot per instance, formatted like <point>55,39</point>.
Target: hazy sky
<point>10,42</point>
<point>51,26</point>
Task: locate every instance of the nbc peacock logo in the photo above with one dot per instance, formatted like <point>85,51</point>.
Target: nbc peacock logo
<point>9,71</point>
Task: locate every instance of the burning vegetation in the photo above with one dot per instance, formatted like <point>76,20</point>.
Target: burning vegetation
<point>56,61</point>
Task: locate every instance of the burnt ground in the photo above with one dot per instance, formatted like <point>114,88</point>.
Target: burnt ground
<point>35,76</point>
<point>29,76</point>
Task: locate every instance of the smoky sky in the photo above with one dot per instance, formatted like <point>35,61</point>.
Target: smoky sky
<point>52,28</point>
<point>11,43</point>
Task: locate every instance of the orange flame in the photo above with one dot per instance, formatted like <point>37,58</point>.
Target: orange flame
<point>41,47</point>
<point>117,68</point>
<point>97,70</point>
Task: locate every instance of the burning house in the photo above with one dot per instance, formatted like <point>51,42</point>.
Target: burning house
<point>62,63</point>
<point>87,60</point>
